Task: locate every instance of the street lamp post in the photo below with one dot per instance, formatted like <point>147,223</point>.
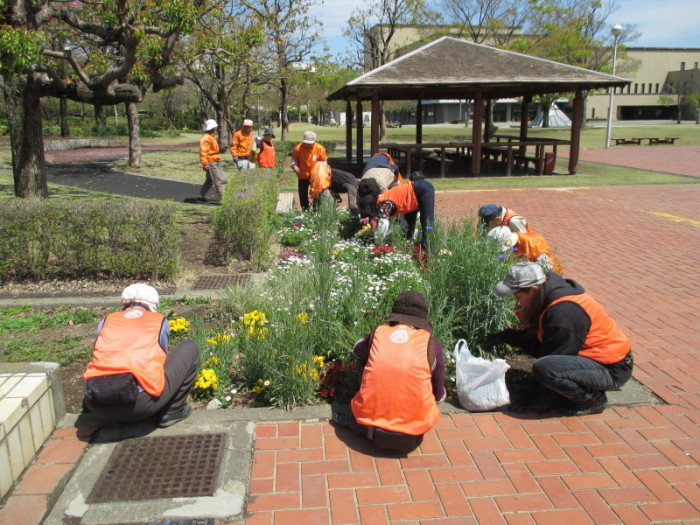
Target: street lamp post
<point>616,30</point>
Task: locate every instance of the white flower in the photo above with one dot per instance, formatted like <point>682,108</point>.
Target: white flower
<point>234,391</point>
<point>267,383</point>
<point>228,398</point>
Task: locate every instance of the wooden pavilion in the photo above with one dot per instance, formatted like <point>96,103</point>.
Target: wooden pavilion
<point>449,68</point>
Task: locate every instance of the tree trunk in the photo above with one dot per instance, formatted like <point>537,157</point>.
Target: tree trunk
<point>382,122</point>
<point>26,139</point>
<point>284,114</point>
<point>63,107</point>
<point>132,118</point>
<point>99,117</point>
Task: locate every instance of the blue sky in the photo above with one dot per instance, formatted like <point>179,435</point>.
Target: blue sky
<point>671,23</point>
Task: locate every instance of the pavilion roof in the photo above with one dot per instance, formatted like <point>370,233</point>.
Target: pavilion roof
<point>449,67</point>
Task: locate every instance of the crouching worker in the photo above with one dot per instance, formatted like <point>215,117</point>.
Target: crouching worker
<point>402,381</point>
<point>530,247</point>
<point>328,183</point>
<point>580,351</point>
<point>132,376</point>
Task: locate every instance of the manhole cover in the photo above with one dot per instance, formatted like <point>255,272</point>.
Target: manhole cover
<point>161,467</point>
<point>215,282</point>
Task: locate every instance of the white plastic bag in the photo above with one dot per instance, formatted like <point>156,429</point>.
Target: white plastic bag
<point>481,384</point>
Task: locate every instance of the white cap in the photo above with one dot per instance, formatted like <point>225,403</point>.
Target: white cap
<point>142,294</point>
<point>247,122</point>
<point>309,137</point>
<point>210,124</point>
<point>507,238</point>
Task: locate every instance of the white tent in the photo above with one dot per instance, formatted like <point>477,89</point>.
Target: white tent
<point>557,118</point>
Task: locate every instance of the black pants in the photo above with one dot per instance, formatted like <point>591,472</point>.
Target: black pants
<point>303,187</point>
<point>575,377</point>
<point>425,195</point>
<point>180,372</point>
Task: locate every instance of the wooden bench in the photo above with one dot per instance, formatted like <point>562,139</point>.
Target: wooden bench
<point>664,140</point>
<point>619,141</point>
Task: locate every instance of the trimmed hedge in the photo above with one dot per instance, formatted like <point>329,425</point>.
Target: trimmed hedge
<point>243,221</point>
<point>88,238</point>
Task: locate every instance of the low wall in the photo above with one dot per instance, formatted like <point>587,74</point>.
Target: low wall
<point>64,144</point>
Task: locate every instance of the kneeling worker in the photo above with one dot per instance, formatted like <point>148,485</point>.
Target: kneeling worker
<point>403,378</point>
<point>493,215</point>
<point>580,351</point>
<point>527,246</point>
<point>132,376</point>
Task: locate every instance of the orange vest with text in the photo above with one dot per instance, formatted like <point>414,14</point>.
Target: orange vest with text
<point>396,393</point>
<point>533,245</point>
<point>605,342</point>
<point>266,158</point>
<point>128,342</point>
<point>509,215</point>
<point>403,195</point>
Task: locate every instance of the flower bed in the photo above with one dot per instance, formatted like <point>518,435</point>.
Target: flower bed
<point>287,342</point>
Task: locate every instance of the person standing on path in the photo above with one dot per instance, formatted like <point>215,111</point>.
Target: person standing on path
<point>403,378</point>
<point>528,247</point>
<point>493,215</point>
<point>132,376</point>
<point>580,352</point>
<point>266,157</point>
<point>242,146</point>
<point>306,154</point>
<point>209,158</point>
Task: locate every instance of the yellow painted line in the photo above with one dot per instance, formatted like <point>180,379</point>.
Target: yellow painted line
<point>566,189</point>
<point>675,218</point>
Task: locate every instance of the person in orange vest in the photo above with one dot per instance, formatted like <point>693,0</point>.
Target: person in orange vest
<point>580,352</point>
<point>266,157</point>
<point>209,158</point>
<point>242,144</point>
<point>403,379</point>
<point>493,215</point>
<point>407,199</point>
<point>306,154</point>
<point>528,247</point>
<point>330,183</point>
<point>132,376</point>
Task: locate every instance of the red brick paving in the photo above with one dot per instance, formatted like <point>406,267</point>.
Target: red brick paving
<point>635,248</point>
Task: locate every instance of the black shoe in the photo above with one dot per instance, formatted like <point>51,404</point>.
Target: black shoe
<point>170,418</point>
<point>592,406</point>
<point>202,199</point>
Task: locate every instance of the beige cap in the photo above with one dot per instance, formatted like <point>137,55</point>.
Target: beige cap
<point>309,137</point>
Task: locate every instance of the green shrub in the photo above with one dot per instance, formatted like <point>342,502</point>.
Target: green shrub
<point>242,222</point>
<point>43,239</point>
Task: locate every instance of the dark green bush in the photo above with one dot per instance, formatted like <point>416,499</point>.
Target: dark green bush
<point>242,222</point>
<point>94,238</point>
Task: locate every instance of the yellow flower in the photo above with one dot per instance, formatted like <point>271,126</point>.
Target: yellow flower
<point>212,361</point>
<point>253,323</point>
<point>206,379</point>
<point>319,360</point>
<point>303,318</point>
<point>257,389</point>
<point>179,324</point>
<point>219,339</point>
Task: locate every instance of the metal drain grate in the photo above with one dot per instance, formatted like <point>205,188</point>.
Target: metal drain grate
<point>215,282</point>
<point>161,467</point>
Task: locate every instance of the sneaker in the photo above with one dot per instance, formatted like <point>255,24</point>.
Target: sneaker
<point>170,418</point>
<point>591,406</point>
<point>202,199</point>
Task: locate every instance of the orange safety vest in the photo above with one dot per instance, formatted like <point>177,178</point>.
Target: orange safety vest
<point>403,195</point>
<point>396,391</point>
<point>509,215</point>
<point>304,154</point>
<point>605,342</point>
<point>320,179</point>
<point>532,246</point>
<point>128,342</point>
<point>208,149</point>
<point>266,158</point>
<point>241,144</point>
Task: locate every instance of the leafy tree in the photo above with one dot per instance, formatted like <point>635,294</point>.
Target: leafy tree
<point>290,34</point>
<point>114,51</point>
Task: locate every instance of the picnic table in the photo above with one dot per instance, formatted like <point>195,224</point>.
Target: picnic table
<point>638,140</point>
<point>622,140</point>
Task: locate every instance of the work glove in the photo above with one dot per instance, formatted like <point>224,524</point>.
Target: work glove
<point>510,336</point>
<point>205,167</point>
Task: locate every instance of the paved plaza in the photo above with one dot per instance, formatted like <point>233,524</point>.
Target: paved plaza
<point>634,248</point>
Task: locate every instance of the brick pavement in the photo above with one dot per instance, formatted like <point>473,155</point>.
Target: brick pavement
<point>634,248</point>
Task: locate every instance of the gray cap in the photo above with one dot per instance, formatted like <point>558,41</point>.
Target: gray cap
<point>519,276</point>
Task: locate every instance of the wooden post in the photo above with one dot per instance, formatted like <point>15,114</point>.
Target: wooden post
<point>419,122</point>
<point>576,132</point>
<point>488,120</point>
<point>524,118</point>
<point>476,132</point>
<point>358,119</point>
<point>374,124</point>
<point>348,131</point>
